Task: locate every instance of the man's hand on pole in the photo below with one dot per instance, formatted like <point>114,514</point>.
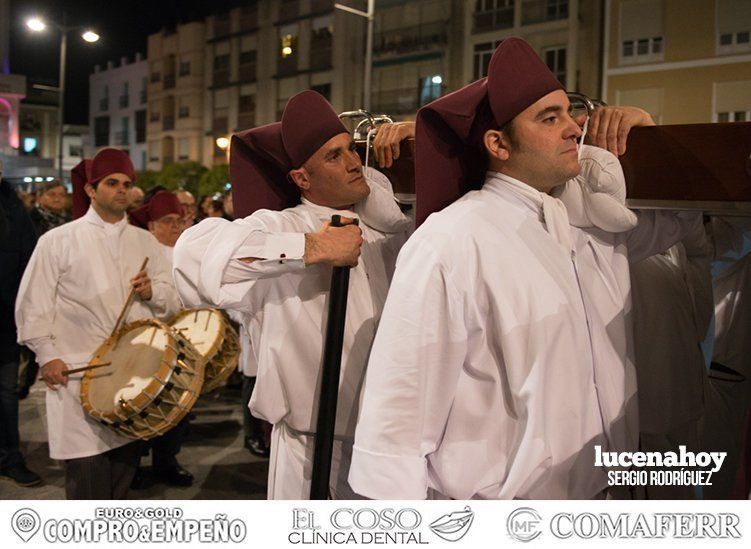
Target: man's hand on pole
<point>337,246</point>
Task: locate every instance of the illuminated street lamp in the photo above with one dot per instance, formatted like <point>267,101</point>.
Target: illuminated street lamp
<point>223,144</point>
<point>38,25</point>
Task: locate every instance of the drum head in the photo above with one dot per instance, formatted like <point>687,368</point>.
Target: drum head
<point>204,328</point>
<point>136,358</point>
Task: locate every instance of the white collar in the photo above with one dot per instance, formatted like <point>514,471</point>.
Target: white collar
<point>552,210</point>
<point>325,212</point>
<point>94,218</point>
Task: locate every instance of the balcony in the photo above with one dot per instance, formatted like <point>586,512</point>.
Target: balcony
<point>122,138</point>
<point>541,11</point>
<point>407,39</point>
<point>486,21</point>
<point>169,81</point>
<point>168,123</point>
<point>123,101</point>
<point>395,101</point>
<point>104,104</point>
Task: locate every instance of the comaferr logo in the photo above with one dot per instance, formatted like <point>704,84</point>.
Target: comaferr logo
<point>453,526</point>
<point>641,525</point>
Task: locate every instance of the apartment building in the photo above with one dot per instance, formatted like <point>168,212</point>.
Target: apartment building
<point>566,34</point>
<point>259,55</point>
<point>117,109</point>
<point>684,61</point>
<point>176,87</point>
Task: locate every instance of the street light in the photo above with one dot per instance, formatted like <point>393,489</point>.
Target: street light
<point>223,143</point>
<point>38,25</point>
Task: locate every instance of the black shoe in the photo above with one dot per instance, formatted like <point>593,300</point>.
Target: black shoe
<point>175,476</point>
<point>257,447</point>
<point>21,475</point>
<point>139,480</point>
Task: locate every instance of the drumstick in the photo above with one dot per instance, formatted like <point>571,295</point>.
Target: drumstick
<point>85,368</point>
<point>128,301</point>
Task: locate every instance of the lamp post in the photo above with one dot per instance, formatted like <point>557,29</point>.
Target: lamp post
<point>38,25</point>
<point>370,17</point>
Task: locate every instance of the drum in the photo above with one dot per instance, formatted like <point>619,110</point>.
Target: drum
<point>152,381</point>
<point>214,338</point>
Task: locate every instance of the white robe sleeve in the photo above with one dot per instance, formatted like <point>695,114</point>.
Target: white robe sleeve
<point>164,300</point>
<point>658,230</point>
<point>412,375</point>
<point>35,302</point>
<point>207,270</point>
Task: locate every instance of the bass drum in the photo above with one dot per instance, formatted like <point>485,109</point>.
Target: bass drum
<point>210,332</point>
<point>153,379</point>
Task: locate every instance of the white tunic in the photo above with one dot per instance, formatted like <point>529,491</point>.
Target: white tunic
<point>501,359</point>
<point>672,311</point>
<point>70,296</point>
<point>285,303</point>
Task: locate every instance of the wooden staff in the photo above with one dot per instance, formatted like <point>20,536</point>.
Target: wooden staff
<point>332,363</point>
<point>128,301</point>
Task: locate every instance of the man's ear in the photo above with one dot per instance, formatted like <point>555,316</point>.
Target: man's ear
<point>150,225</point>
<point>89,190</point>
<point>497,144</point>
<point>300,178</point>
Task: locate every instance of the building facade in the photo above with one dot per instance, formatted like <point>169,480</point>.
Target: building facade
<point>259,55</point>
<point>176,87</point>
<point>683,61</point>
<point>117,109</point>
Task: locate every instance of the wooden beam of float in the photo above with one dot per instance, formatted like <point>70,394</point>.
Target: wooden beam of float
<point>692,166</point>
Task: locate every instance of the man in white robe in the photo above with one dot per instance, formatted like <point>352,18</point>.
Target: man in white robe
<point>672,312</point>
<point>275,267</point>
<point>503,356</point>
<point>162,215</point>
<point>71,294</point>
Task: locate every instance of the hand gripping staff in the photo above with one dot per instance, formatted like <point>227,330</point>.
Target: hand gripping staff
<point>332,363</point>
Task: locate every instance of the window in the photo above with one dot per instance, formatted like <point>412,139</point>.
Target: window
<point>184,68</point>
<point>75,150</point>
<point>221,70</point>
<point>732,100</point>
<point>246,112</point>
<point>733,26</point>
<point>101,131</point>
<point>155,77</point>
<point>430,88</point>
<point>555,59</point>
<point>142,93</point>
<point>482,54</point>
<point>493,15</point>
<point>642,31</point>
<point>288,51</point>
<point>737,116</point>
<point>247,68</point>
<point>141,126</point>
<point>321,40</point>
<point>183,145</point>
<point>124,96</point>
<point>122,136</point>
<point>540,11</point>
<point>104,102</point>
<point>324,90</point>
<point>153,151</point>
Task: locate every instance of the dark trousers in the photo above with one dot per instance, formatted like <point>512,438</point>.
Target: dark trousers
<point>10,452</point>
<point>164,449</point>
<point>252,426</point>
<point>104,476</point>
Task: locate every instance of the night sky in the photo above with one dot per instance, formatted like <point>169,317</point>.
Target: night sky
<point>123,26</point>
